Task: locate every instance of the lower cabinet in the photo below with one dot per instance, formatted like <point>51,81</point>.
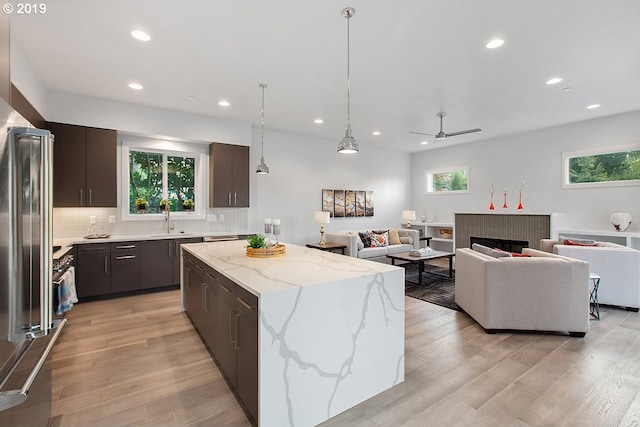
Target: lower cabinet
<point>125,267</point>
<point>226,315</point>
<point>93,270</point>
<point>111,268</point>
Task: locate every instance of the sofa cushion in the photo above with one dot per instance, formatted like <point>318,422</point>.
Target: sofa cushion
<point>406,240</point>
<point>394,238</point>
<point>576,242</point>
<point>379,240</point>
<point>372,252</point>
<point>365,237</point>
<point>488,251</point>
<point>396,249</point>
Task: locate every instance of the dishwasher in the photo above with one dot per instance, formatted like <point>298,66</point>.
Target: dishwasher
<point>220,238</point>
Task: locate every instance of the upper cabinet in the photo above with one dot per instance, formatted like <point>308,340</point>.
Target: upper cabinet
<point>229,176</point>
<point>85,166</point>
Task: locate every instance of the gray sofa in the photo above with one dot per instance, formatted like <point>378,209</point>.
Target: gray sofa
<point>543,292</point>
<point>410,239</point>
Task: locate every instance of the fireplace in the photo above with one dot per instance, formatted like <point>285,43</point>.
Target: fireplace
<point>520,227</point>
<point>504,244</point>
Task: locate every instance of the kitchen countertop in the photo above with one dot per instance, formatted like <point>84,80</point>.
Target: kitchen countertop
<point>299,267</point>
<point>67,243</point>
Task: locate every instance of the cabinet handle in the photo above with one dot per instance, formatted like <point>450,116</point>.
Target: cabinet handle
<point>224,287</point>
<point>106,264</point>
<point>204,298</point>
<point>90,197</point>
<point>231,331</point>
<point>81,197</point>
<point>229,198</point>
<point>235,331</point>
<point>235,199</point>
<point>211,277</point>
<point>126,247</point>
<point>245,304</point>
<point>188,281</point>
<point>126,257</point>
<point>170,251</point>
<point>202,285</point>
<point>199,268</point>
<point>176,246</point>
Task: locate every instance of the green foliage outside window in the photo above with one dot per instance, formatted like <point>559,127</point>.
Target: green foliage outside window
<point>146,173</point>
<point>609,167</point>
<point>450,181</point>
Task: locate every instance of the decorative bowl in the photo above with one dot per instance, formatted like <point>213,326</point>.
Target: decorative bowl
<point>445,233</point>
<point>270,252</point>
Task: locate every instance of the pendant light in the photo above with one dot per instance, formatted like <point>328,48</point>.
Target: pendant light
<point>262,168</point>
<point>348,144</point>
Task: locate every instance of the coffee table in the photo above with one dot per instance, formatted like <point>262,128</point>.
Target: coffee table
<point>404,256</point>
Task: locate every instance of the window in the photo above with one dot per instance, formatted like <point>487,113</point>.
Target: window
<point>156,170</point>
<point>612,166</point>
<point>450,180</point>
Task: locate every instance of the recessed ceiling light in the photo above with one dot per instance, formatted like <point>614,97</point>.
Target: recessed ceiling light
<point>136,86</point>
<point>376,133</point>
<point>566,89</point>
<point>424,142</point>
<point>592,106</point>
<point>318,121</point>
<point>554,80</point>
<point>140,35</point>
<point>224,103</point>
<point>494,43</point>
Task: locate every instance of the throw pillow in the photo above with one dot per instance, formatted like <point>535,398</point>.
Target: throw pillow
<point>576,242</point>
<point>394,238</point>
<point>379,240</point>
<point>488,251</point>
<point>579,242</point>
<point>366,239</point>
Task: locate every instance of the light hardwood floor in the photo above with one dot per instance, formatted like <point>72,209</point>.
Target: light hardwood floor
<point>136,361</point>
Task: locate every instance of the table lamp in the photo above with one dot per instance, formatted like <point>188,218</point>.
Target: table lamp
<point>408,216</point>
<point>322,218</point>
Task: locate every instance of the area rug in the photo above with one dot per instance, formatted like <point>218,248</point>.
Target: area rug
<point>435,289</point>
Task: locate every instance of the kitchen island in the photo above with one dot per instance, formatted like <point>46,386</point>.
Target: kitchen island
<point>329,329</point>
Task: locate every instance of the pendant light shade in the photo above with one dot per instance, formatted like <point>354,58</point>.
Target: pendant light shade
<point>348,144</point>
<point>262,168</point>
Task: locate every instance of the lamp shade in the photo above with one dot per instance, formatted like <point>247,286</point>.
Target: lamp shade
<point>321,217</point>
<point>408,215</point>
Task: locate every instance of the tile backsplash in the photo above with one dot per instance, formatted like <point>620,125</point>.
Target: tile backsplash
<point>74,222</point>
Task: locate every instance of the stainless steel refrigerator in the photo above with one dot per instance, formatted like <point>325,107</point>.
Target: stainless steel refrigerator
<point>27,330</point>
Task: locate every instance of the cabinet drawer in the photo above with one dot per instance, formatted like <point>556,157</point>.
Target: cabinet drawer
<point>129,247</point>
<point>93,248</point>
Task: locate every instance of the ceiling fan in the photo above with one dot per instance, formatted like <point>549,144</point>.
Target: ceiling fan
<point>442,135</point>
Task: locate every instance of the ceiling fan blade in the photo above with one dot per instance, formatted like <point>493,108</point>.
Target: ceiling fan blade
<point>462,132</point>
<point>422,133</point>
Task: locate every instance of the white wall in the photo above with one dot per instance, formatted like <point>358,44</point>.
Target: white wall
<point>536,157</point>
<point>23,77</point>
<point>300,167</point>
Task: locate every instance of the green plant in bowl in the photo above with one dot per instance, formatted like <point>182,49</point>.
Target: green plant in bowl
<point>257,241</point>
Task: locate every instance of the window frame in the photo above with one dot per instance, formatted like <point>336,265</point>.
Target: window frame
<point>166,148</point>
<point>428,176</point>
<point>594,152</point>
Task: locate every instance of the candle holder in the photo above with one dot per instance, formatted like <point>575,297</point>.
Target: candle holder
<point>276,230</point>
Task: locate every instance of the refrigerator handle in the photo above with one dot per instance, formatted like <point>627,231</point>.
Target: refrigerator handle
<point>11,398</point>
<point>46,236</point>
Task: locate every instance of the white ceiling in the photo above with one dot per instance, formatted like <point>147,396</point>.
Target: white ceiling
<point>409,60</point>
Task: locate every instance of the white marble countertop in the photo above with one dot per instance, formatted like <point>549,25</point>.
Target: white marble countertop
<point>299,267</point>
<point>67,242</point>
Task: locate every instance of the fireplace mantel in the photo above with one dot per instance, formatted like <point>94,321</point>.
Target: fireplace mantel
<point>511,226</point>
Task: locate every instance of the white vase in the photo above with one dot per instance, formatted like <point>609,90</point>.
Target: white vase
<point>620,220</point>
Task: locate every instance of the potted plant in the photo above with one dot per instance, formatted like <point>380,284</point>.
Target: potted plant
<point>187,205</point>
<point>141,204</point>
<point>258,247</point>
<point>165,204</point>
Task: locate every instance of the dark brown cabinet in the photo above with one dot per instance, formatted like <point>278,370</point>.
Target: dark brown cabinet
<point>157,263</point>
<point>85,166</point>
<point>226,316</point>
<point>125,267</point>
<point>176,256</point>
<point>228,175</point>
<point>93,270</point>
